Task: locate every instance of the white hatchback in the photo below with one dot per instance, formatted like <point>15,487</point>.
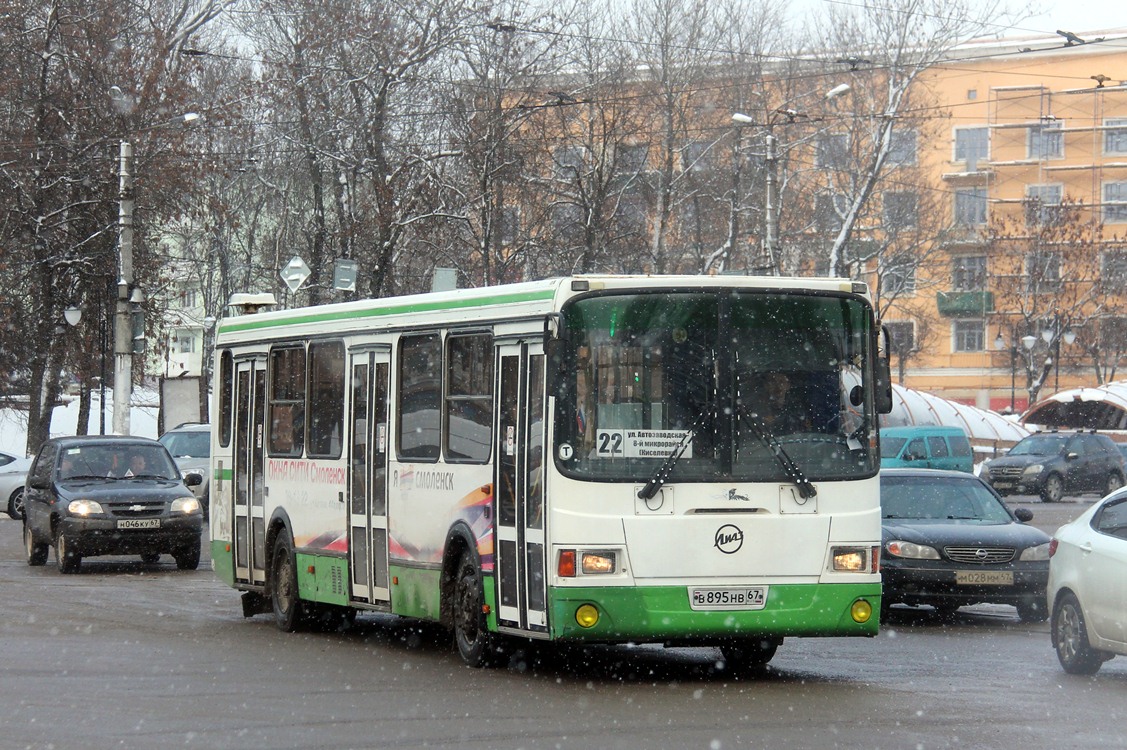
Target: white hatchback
<point>1087,592</point>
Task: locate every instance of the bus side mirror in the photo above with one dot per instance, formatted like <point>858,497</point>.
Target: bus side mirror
<point>883,372</point>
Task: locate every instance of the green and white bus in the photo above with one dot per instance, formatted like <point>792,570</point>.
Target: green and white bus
<point>594,459</point>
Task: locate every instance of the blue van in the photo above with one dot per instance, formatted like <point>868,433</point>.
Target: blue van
<point>926,447</point>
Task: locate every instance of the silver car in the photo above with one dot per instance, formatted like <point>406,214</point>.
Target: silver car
<point>13,474</point>
<point>190,446</point>
<point>1087,589</point>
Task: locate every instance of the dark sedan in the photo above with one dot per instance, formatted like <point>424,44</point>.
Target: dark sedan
<point>950,541</point>
<point>108,495</point>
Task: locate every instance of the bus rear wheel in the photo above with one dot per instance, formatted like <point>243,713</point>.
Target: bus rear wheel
<point>288,612</point>
<point>471,635</point>
<point>749,655</point>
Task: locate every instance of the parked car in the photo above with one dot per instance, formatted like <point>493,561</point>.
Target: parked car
<point>950,541</point>
<point>926,447</point>
<point>190,446</point>
<point>1051,464</point>
<point>13,472</point>
<point>109,495</point>
<point>1087,590</point>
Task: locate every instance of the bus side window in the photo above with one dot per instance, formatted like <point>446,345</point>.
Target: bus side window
<point>326,398</point>
<point>287,400</point>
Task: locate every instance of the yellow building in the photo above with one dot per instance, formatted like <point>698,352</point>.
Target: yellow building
<point>1022,128</point>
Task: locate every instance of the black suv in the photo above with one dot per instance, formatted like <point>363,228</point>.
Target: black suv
<point>110,495</point>
<point>1051,464</point>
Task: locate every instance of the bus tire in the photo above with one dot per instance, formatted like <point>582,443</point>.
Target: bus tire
<point>471,634</point>
<point>286,604</point>
<point>749,655</point>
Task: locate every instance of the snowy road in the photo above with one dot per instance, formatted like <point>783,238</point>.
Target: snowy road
<point>126,655</point>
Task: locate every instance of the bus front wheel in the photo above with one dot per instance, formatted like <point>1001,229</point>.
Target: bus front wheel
<point>749,655</point>
<point>475,643</point>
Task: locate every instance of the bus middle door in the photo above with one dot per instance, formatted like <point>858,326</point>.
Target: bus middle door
<point>519,487</point>
<point>367,466</point>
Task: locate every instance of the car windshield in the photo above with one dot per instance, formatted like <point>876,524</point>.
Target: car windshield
<point>116,461</point>
<point>940,498</point>
<point>1039,445</point>
<point>196,444</point>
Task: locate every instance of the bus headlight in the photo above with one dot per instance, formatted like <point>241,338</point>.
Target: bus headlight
<point>84,508</point>
<point>851,559</point>
<point>598,562</point>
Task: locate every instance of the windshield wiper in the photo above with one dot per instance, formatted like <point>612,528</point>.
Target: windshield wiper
<point>83,476</point>
<point>806,489</point>
<point>662,474</point>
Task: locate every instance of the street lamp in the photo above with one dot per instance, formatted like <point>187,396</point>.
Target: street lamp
<point>129,297</point>
<point>771,207</point>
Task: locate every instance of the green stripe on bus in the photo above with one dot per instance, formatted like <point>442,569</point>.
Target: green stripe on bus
<point>415,592</point>
<point>652,613</point>
<point>322,579</point>
<point>250,322</point>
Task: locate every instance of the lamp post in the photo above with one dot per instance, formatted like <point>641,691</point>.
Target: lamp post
<point>771,165</point>
<point>1052,337</point>
<point>1000,344</point>
<point>129,297</point>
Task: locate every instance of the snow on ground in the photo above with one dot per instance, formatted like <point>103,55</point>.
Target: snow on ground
<point>64,420</point>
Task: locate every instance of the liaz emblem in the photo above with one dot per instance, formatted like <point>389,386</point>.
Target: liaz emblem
<point>729,539</point>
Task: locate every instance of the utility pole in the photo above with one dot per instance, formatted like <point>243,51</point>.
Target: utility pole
<point>772,208</point>
<point>123,328</point>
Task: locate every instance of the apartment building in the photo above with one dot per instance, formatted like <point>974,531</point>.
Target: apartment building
<point>1030,158</point>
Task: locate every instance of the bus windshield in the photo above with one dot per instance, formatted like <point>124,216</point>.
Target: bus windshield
<point>761,380</point>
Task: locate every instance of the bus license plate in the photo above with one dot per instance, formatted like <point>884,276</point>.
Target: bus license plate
<point>139,523</point>
<point>745,597</point>
<point>984,577</point>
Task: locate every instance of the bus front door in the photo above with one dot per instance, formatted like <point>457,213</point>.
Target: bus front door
<point>519,488</point>
<point>250,525</point>
<point>367,469</point>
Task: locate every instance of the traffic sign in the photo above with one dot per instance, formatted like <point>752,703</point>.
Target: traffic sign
<point>295,273</point>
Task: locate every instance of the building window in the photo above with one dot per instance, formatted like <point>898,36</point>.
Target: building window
<point>968,273</point>
<point>832,151</point>
<point>1115,202</point>
<point>970,207</point>
<point>902,149</point>
<point>972,145</point>
<point>1115,136</point>
<point>900,280</point>
<point>632,159</point>
<point>1046,141</point>
<point>829,210</point>
<point>1042,272</point>
<point>903,335</point>
<point>567,218</point>
<point>900,210</point>
<point>510,224</point>
<point>696,157</point>
<point>1113,268</point>
<point>569,162</point>
<point>970,335</point>
<point>1042,204</point>
<point>188,298</point>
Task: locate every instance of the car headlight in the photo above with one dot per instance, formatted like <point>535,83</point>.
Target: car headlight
<point>84,508</point>
<point>911,550</point>
<point>186,505</point>
<point>1040,552</point>
<point>1034,469</point>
